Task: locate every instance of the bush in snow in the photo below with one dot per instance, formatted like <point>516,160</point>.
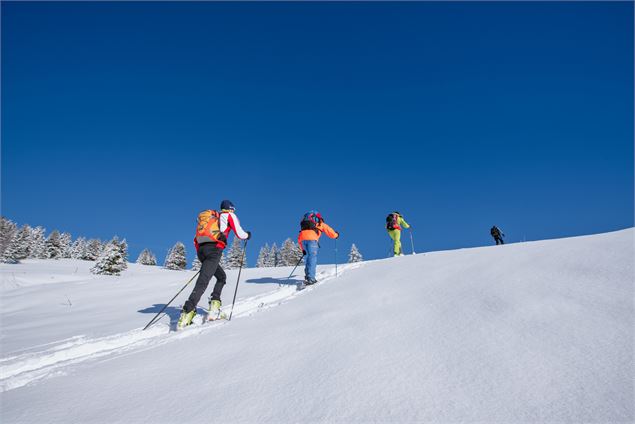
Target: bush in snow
<point>111,260</point>
<point>146,257</point>
<point>175,258</point>
<point>354,255</point>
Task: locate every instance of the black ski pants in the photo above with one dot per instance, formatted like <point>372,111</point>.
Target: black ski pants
<point>499,240</point>
<point>210,256</point>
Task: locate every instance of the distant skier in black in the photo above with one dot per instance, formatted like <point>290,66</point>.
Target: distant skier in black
<point>497,234</point>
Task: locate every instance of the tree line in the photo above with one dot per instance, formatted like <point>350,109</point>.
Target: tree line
<point>111,257</point>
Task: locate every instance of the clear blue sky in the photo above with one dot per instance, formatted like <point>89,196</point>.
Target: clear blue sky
<point>129,118</point>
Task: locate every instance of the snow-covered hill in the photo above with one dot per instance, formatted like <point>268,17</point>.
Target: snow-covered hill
<point>539,331</point>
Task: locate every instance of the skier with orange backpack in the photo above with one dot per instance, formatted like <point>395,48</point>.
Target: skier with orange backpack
<point>212,231</point>
<point>311,228</point>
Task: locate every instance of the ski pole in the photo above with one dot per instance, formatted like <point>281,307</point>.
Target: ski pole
<point>335,258</point>
<point>412,243</point>
<point>242,261</point>
<point>296,265</point>
<point>168,304</point>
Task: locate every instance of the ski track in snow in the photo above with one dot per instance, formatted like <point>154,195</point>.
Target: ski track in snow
<point>33,366</point>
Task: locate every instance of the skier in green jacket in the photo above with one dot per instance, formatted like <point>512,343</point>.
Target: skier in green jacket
<point>394,224</point>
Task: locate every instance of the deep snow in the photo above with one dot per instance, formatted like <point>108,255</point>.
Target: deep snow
<point>539,331</point>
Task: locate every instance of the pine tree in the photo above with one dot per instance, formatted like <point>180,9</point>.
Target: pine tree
<point>223,261</point>
<point>263,255</point>
<point>111,260</point>
<point>235,255</point>
<point>290,254</point>
<point>78,249</point>
<point>66,243</point>
<point>175,258</point>
<point>123,247</point>
<point>354,255</point>
<point>93,250</point>
<point>8,229</point>
<point>196,263</point>
<point>54,245</point>
<point>274,256</point>
<point>37,243</point>
<point>20,245</point>
<point>147,258</point>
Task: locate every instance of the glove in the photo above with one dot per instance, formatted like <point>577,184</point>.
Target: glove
<point>248,235</point>
<point>337,235</point>
<point>303,252</point>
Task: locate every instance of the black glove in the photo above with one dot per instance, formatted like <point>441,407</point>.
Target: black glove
<point>337,235</point>
<point>248,235</point>
<point>303,252</point>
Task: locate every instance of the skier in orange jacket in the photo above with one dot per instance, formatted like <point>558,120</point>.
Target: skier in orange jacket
<point>311,228</point>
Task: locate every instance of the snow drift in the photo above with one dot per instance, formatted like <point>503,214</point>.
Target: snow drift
<point>539,331</point>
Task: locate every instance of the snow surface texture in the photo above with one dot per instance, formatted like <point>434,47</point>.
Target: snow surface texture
<point>531,332</point>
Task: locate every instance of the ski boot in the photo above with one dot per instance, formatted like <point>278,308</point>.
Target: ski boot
<point>309,281</point>
<point>214,312</point>
<point>185,319</point>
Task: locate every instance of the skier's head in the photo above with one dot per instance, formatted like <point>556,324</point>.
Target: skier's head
<point>227,205</point>
<point>397,213</point>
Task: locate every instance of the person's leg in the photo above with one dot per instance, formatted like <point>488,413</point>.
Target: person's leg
<point>221,279</point>
<point>396,237</point>
<point>311,248</point>
<point>209,255</point>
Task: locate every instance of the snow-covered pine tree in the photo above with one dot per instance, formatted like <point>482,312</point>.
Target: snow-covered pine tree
<point>290,253</point>
<point>19,247</point>
<point>37,243</point>
<point>354,255</point>
<point>146,257</point>
<point>54,245</point>
<point>66,243</point>
<point>261,262</point>
<point>196,263</point>
<point>223,261</point>
<point>78,249</point>
<point>274,256</point>
<point>123,247</point>
<point>176,257</point>
<point>235,255</point>
<point>111,260</point>
<point>93,249</point>
<point>8,229</point>
<point>11,253</point>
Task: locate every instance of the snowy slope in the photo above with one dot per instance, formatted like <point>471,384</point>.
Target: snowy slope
<point>539,331</point>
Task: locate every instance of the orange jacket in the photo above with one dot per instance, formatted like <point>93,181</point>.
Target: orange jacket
<point>315,235</point>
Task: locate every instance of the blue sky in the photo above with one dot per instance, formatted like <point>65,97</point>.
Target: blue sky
<point>129,118</point>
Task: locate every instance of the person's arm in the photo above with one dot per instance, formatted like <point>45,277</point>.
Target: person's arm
<point>403,223</point>
<point>230,220</point>
<point>328,230</point>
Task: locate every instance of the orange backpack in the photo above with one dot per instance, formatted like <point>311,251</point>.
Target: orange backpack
<point>208,227</point>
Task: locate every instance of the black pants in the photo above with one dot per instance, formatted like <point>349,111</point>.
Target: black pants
<point>210,256</point>
<point>499,240</point>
